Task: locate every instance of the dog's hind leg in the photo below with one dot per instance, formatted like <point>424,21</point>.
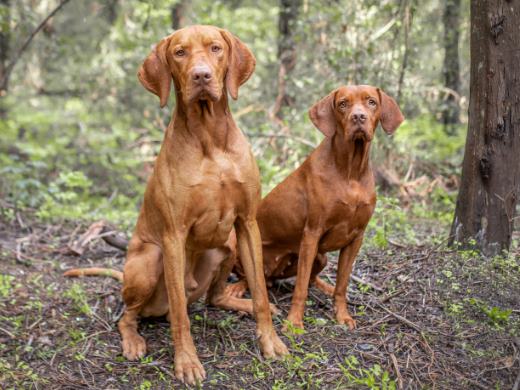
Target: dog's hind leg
<point>218,294</point>
<point>142,271</point>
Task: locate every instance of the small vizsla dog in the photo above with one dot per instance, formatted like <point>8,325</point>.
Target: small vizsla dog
<point>325,205</point>
<point>205,187</point>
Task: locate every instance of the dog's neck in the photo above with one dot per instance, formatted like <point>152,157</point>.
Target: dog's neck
<point>205,123</point>
<point>351,157</point>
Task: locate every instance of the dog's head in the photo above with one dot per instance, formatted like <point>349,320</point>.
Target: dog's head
<point>355,111</point>
<point>203,61</point>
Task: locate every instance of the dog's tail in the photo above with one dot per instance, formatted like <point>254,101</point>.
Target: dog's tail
<point>95,271</point>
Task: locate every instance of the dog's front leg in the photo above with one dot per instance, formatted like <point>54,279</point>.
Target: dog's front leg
<point>188,368</point>
<point>308,251</point>
<point>250,250</point>
<point>347,256</point>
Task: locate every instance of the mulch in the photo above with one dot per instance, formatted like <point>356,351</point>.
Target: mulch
<point>416,326</point>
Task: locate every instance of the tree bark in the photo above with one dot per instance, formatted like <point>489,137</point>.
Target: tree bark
<point>178,14</point>
<point>5,17</point>
<point>451,68</point>
<point>490,184</point>
<point>289,12</point>
<point>407,17</point>
<point>112,11</point>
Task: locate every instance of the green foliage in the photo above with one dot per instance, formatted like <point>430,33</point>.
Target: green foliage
<point>66,196</point>
<point>145,385</point>
<point>374,377</point>
<point>300,368</point>
<point>79,297</point>
<point>495,315</point>
<point>425,139</point>
<point>390,220</point>
<point>75,107</point>
<point>20,374</point>
<point>6,285</point>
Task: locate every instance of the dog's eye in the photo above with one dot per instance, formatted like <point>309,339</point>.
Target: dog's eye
<point>215,48</point>
<point>342,104</point>
<point>372,102</point>
<point>180,53</point>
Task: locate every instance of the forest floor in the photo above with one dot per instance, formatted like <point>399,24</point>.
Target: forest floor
<point>428,317</point>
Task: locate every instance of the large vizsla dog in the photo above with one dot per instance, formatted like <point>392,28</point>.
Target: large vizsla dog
<point>325,205</point>
<point>205,184</point>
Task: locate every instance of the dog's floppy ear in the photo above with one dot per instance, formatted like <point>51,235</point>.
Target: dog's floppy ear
<point>322,114</point>
<point>241,63</point>
<point>391,116</point>
<point>155,73</point>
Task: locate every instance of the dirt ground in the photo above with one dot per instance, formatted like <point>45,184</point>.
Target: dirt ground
<point>428,317</point>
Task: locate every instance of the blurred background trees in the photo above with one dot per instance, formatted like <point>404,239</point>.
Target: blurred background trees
<point>79,133</point>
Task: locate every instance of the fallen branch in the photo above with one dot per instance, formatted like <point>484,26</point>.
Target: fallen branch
<point>115,239</point>
<point>402,319</point>
<point>397,372</point>
<point>97,230</point>
<point>93,232</point>
<point>369,284</point>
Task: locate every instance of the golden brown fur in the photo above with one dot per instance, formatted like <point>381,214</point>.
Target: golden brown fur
<point>325,205</point>
<point>205,185</point>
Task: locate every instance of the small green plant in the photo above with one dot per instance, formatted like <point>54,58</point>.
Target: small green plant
<point>258,369</point>
<point>20,374</point>
<point>389,216</point>
<point>291,332</point>
<point>78,296</point>
<point>303,366</point>
<point>145,385</point>
<point>455,308</point>
<point>364,288</point>
<point>146,359</point>
<point>77,334</point>
<point>227,323</point>
<point>373,377</point>
<point>279,384</point>
<point>496,315</point>
<point>318,321</point>
<point>6,285</point>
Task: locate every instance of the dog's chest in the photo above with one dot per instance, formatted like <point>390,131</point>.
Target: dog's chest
<point>225,191</point>
<point>347,216</point>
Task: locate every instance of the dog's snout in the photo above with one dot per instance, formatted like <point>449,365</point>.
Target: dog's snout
<point>358,117</point>
<point>201,74</point>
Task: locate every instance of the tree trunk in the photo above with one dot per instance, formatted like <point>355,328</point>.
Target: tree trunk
<point>111,11</point>
<point>289,11</point>
<point>408,9</point>
<point>490,184</point>
<point>178,14</point>
<point>5,13</point>
<point>451,69</point>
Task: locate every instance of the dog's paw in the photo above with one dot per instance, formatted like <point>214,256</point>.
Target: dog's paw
<point>188,368</point>
<point>134,347</point>
<point>237,289</point>
<point>346,319</point>
<point>271,345</point>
